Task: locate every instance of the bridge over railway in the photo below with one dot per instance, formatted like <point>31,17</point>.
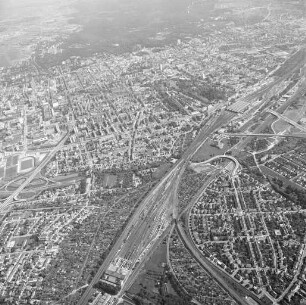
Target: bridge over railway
<point>267,135</point>
<point>289,121</point>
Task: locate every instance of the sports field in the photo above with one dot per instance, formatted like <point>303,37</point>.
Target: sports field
<point>1,172</point>
<point>11,172</point>
<point>26,164</point>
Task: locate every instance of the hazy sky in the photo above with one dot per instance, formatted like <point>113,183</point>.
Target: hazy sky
<point>22,22</point>
<point>13,8</point>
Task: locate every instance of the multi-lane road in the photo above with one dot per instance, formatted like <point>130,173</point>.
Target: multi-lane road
<point>8,201</point>
<point>291,122</point>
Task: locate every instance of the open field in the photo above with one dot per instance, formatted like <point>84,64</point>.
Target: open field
<point>26,195</point>
<point>12,160</point>
<point>207,151</point>
<point>202,168</point>
<point>2,172</point>
<point>109,180</point>
<point>37,183</point>
<point>27,164</point>
<point>152,284</point>
<point>267,171</point>
<point>161,170</point>
<point>11,172</point>
<point>15,184</point>
<point>280,126</point>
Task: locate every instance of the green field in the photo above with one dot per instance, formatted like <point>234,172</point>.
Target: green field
<point>26,195</point>
<point>109,180</point>
<point>15,160</point>
<point>292,114</point>
<point>269,172</point>
<point>1,172</point>
<point>280,126</point>
<point>208,151</point>
<point>37,183</point>
<point>16,183</point>
<point>147,286</point>
<point>9,161</point>
<point>161,170</point>
<point>12,160</point>
<point>11,172</point>
<point>26,164</point>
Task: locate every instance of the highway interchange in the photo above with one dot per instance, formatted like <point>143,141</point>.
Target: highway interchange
<point>158,212</point>
<point>7,202</point>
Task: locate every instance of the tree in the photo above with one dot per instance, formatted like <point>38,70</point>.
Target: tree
<point>107,288</point>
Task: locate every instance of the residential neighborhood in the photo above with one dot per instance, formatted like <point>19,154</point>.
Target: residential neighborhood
<point>152,152</point>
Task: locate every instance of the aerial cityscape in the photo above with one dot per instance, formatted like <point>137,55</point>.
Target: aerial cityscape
<point>153,152</point>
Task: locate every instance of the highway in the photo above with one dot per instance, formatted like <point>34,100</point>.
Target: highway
<point>5,204</point>
<point>37,189</point>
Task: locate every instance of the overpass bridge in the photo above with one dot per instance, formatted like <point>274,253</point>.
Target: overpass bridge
<point>5,204</point>
<point>267,135</point>
<point>289,121</point>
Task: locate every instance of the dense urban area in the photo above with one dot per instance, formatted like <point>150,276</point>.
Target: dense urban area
<point>169,172</point>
